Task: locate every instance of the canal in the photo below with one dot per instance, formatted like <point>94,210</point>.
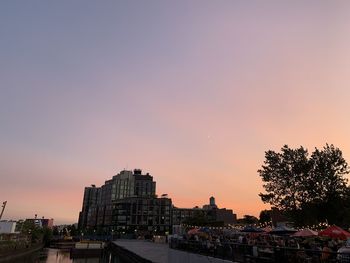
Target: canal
<point>51,255</point>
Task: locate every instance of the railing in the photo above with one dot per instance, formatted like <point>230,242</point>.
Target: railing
<point>249,253</point>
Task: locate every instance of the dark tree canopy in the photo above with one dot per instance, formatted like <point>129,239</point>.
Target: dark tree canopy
<point>284,177</point>
<point>327,171</point>
<point>248,219</point>
<point>265,216</point>
<point>295,181</point>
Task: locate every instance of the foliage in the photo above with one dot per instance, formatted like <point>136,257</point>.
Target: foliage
<point>265,216</point>
<point>308,188</point>
<point>46,235</point>
<point>284,175</point>
<point>29,228</point>
<point>55,231</point>
<point>248,220</point>
<point>73,230</point>
<point>38,234</point>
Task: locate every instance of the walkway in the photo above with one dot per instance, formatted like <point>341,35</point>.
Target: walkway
<point>161,253</point>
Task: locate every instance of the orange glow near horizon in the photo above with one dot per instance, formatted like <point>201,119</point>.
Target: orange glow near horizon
<point>193,94</point>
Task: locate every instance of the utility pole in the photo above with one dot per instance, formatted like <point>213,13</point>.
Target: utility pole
<point>3,208</point>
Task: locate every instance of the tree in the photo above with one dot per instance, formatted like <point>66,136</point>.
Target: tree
<point>308,188</point>
<point>265,216</point>
<point>327,181</point>
<point>248,220</point>
<point>73,230</point>
<point>283,175</point>
<point>29,228</point>
<point>46,235</point>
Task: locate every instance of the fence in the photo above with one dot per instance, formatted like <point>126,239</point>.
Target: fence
<point>248,253</point>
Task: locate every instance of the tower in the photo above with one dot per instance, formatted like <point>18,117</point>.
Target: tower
<point>212,201</point>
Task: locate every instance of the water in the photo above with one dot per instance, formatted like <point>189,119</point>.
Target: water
<point>51,255</point>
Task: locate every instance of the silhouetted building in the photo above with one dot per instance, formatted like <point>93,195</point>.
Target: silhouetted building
<point>210,212</point>
<point>142,214</point>
<point>225,215</point>
<point>128,203</point>
<point>211,205</point>
<point>212,201</point>
<point>90,200</point>
<point>181,215</point>
<point>41,222</point>
<point>99,203</point>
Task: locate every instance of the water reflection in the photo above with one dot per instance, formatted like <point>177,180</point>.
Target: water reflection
<point>51,255</point>
<point>54,255</point>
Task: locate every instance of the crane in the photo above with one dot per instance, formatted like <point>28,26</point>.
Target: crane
<point>67,236</point>
<point>3,208</point>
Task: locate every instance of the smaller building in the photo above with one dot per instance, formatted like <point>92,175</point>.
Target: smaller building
<point>7,227</point>
<point>226,215</point>
<point>180,215</point>
<point>41,222</point>
<point>209,212</point>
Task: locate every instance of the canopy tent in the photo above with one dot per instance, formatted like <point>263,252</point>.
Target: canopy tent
<point>199,231</point>
<point>335,232</point>
<point>252,229</point>
<point>305,233</point>
<point>193,231</point>
<point>283,230</point>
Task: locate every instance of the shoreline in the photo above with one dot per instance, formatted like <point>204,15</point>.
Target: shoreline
<point>21,253</point>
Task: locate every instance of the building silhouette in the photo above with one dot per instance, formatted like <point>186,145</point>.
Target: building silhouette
<point>125,203</point>
<point>90,200</point>
<point>128,203</point>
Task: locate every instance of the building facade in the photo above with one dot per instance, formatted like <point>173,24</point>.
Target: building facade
<point>181,215</point>
<point>142,214</point>
<point>101,205</point>
<point>211,212</point>
<point>91,195</point>
<point>7,227</point>
<point>127,203</point>
<point>41,222</point>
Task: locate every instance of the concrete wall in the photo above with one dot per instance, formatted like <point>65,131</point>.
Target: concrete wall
<point>21,255</point>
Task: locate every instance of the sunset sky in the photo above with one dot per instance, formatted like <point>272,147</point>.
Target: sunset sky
<point>192,92</point>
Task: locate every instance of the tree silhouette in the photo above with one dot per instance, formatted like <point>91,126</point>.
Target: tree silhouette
<point>309,188</point>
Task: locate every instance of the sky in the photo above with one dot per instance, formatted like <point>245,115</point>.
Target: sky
<point>193,92</point>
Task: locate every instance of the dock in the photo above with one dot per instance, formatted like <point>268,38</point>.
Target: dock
<point>140,251</point>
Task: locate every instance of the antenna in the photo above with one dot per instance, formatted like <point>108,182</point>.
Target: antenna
<point>3,208</point>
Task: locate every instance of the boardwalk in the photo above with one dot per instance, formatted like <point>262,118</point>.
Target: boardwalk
<point>145,249</point>
<point>161,253</point>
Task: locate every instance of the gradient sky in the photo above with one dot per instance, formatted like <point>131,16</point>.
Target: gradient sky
<point>192,92</point>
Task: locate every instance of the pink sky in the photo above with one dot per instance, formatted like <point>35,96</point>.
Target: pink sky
<point>192,93</point>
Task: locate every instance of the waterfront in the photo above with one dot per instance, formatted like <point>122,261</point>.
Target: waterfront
<point>51,255</point>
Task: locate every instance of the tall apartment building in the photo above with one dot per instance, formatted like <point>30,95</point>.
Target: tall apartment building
<point>100,203</point>
<point>90,200</point>
<point>128,202</point>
